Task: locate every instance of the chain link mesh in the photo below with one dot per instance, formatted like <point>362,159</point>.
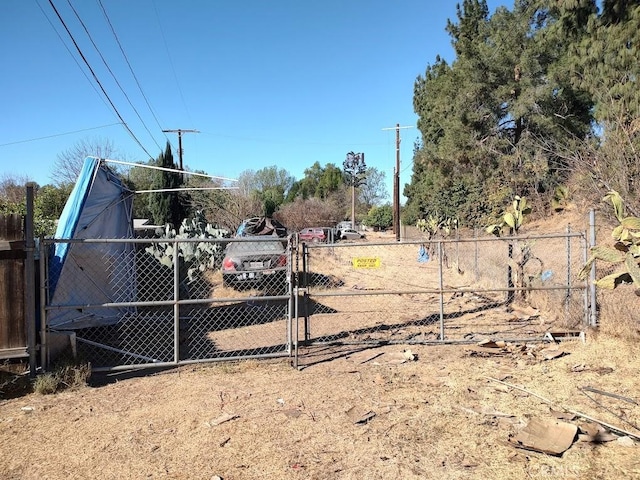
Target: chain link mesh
<point>463,290</point>
<point>232,300</point>
<point>235,296</point>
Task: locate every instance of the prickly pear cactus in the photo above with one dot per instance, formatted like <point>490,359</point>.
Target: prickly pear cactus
<point>625,252</point>
<point>512,219</point>
<point>196,256</point>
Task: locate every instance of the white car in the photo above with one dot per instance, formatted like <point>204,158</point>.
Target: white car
<point>350,234</point>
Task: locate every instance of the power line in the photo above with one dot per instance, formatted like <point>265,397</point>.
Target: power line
<point>58,134</point>
<point>86,30</point>
<point>130,67</point>
<point>95,77</point>
<point>72,56</point>
<point>175,76</point>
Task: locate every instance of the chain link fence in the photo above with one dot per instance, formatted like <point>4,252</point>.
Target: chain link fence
<point>159,302</point>
<point>453,291</point>
<point>156,302</point>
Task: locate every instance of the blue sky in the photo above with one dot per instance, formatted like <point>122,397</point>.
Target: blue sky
<point>280,82</point>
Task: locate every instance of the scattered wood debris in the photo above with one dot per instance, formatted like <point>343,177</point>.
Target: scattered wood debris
<point>358,417</point>
<point>595,433</point>
<point>544,435</point>
<point>486,348</point>
<point>612,395</point>
<point>396,358</point>
<point>584,416</point>
<point>225,417</point>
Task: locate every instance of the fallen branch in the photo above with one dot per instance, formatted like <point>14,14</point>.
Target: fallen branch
<point>584,392</point>
<point>612,395</point>
<point>568,410</point>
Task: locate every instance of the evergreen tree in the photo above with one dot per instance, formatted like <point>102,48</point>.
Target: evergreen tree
<point>484,118</point>
<point>605,64</point>
<point>168,207</point>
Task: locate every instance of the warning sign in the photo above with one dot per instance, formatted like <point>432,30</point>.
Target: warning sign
<point>366,262</point>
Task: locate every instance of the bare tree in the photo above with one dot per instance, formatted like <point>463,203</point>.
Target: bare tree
<point>12,187</point>
<point>374,191</point>
<point>228,208</point>
<point>312,212</point>
<point>68,163</point>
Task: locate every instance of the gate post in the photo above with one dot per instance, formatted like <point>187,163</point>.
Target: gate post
<point>441,286</point>
<point>30,287</point>
<point>176,305</point>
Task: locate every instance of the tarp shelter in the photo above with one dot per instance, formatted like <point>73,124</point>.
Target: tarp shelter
<point>99,207</point>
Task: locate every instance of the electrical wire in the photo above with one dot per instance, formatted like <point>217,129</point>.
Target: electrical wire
<point>95,77</point>
<point>115,79</point>
<point>104,12</point>
<point>58,134</point>
<point>72,56</point>
<point>175,76</point>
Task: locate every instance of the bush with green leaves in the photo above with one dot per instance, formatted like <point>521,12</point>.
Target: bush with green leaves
<point>624,253</point>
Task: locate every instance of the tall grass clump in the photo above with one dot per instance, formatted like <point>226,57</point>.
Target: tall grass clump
<point>66,374</point>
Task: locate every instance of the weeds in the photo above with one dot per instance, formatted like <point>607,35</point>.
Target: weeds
<point>65,375</point>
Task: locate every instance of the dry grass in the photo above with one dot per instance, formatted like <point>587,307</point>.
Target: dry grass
<point>438,417</point>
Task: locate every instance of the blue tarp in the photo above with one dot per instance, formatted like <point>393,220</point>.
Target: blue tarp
<point>99,207</point>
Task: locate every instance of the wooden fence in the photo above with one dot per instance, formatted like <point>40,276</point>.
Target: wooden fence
<point>13,326</point>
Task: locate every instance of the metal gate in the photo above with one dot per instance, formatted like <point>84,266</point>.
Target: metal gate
<point>442,291</point>
<point>150,302</point>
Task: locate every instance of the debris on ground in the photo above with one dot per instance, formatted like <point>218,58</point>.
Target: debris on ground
<point>225,417</point>
<point>488,348</point>
<point>549,436</point>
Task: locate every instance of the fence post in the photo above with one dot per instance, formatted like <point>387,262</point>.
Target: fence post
<point>176,298</point>
<point>567,298</point>
<point>30,293</point>
<point>510,286</point>
<point>44,301</point>
<point>475,237</point>
<point>592,275</point>
<point>441,287</point>
<point>290,281</point>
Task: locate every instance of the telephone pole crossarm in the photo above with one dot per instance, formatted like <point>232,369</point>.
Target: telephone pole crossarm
<point>180,131</point>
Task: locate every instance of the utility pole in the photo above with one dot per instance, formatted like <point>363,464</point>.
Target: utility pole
<point>180,132</point>
<point>396,183</point>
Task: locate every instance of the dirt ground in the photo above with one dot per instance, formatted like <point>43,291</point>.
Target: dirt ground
<point>353,412</point>
<point>373,413</point>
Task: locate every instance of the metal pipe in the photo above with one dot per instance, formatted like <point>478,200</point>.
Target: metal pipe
<point>187,362</point>
<point>297,329</point>
<point>585,291</point>
<point>592,274</point>
<point>29,284</point>
<point>441,285</point>
<point>567,299</point>
<point>290,294</point>
<point>44,300</point>
<point>176,306</point>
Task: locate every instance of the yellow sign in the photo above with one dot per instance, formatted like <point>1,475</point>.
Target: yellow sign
<point>366,262</point>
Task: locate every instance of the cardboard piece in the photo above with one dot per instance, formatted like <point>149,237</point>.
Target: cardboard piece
<point>548,436</point>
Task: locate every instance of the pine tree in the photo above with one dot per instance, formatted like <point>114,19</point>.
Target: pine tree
<point>167,207</point>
